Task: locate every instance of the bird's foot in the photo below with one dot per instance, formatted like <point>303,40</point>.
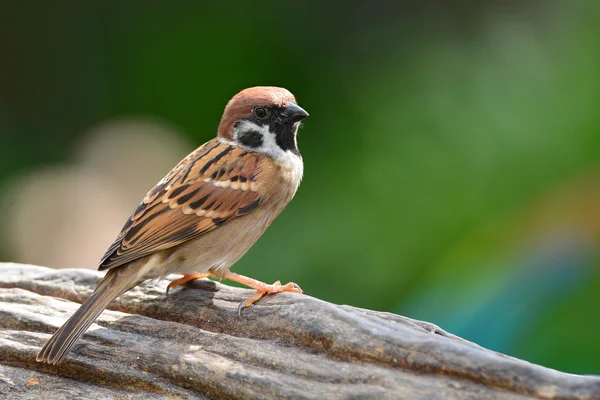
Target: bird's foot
<point>185,279</point>
<point>263,289</point>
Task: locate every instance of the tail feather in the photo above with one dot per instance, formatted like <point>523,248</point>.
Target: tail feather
<point>61,343</point>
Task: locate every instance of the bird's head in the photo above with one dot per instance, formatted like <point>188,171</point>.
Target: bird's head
<point>263,119</point>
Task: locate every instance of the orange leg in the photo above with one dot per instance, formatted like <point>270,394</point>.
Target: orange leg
<point>185,279</point>
<point>261,288</point>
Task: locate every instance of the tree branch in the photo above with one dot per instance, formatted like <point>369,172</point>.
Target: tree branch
<point>192,344</point>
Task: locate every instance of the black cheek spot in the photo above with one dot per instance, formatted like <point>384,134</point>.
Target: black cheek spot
<point>252,139</point>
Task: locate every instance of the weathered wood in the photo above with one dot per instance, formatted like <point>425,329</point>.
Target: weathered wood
<point>192,344</point>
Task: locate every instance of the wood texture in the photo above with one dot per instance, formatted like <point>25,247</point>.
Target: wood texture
<point>192,344</point>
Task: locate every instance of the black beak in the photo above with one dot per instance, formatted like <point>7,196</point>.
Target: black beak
<point>293,113</point>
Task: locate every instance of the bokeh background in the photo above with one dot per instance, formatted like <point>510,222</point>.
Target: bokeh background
<point>452,153</point>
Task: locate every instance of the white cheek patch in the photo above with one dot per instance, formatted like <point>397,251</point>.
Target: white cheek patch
<point>269,145</point>
<point>244,128</point>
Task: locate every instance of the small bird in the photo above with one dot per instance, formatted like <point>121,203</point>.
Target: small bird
<point>207,212</point>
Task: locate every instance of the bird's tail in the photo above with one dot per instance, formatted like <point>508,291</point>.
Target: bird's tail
<point>60,344</point>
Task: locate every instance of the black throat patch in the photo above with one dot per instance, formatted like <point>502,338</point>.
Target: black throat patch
<point>285,137</point>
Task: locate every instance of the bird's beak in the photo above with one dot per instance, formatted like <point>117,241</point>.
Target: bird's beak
<point>294,113</point>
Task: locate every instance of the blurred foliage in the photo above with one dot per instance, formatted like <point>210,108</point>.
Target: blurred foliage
<point>438,132</point>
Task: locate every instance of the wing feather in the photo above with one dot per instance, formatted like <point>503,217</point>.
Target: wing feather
<point>213,185</point>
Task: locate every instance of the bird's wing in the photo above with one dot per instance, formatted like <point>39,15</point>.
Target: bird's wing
<point>213,185</point>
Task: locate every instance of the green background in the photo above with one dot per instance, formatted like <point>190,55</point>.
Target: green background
<point>451,156</point>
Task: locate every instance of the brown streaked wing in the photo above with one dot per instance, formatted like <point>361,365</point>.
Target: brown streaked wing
<point>211,186</point>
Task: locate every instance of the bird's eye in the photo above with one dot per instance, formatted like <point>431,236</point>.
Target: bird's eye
<point>261,112</point>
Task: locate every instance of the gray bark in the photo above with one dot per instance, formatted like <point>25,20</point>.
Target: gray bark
<point>192,344</point>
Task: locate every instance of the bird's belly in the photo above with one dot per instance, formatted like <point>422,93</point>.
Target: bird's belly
<point>221,248</point>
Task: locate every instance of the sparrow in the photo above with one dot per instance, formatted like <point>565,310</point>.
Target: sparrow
<point>205,214</point>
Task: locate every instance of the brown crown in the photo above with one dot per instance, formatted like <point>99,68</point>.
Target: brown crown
<point>241,105</point>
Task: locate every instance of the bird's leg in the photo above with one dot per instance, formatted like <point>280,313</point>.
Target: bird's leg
<point>185,279</point>
<point>261,288</point>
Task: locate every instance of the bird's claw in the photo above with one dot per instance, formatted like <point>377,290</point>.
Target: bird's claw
<point>276,287</point>
<point>241,307</point>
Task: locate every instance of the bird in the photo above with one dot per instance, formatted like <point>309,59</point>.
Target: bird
<point>207,212</point>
